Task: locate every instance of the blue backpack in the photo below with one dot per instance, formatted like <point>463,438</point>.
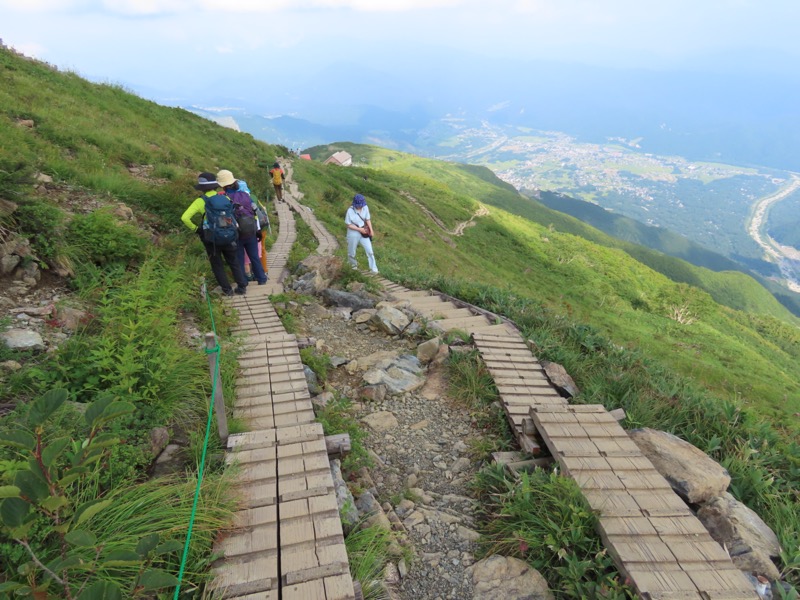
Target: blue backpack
<point>219,227</point>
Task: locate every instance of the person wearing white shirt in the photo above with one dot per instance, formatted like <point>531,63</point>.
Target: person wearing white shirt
<point>359,231</point>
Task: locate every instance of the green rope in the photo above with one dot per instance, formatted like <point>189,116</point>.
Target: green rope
<point>214,350</point>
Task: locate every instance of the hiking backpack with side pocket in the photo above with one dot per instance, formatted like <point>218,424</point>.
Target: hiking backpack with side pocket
<point>219,227</point>
<point>245,213</point>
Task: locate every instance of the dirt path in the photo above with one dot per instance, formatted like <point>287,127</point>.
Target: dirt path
<point>459,229</point>
<point>422,464</point>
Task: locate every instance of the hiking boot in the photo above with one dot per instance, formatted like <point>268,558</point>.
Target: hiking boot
<point>240,290</point>
<point>228,292</point>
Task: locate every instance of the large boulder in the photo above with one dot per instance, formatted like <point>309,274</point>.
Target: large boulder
<point>390,320</point>
<point>72,318</point>
<point>312,381</point>
<point>356,301</point>
<point>310,283</point>
<point>22,339</point>
<point>428,350</point>
<point>328,267</point>
<point>692,474</point>
<point>400,375</point>
<point>507,578</point>
<point>8,263</point>
<point>750,541</point>
<point>365,363</point>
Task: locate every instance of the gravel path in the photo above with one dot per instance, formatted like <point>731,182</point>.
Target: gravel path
<point>422,464</point>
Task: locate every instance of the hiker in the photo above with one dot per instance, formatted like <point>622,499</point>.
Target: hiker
<point>359,231</point>
<point>249,231</point>
<point>277,179</point>
<point>217,232</point>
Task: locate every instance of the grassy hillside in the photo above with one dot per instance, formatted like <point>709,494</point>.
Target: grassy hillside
<point>71,152</point>
<point>730,288</point>
<point>666,352</point>
<point>544,260</point>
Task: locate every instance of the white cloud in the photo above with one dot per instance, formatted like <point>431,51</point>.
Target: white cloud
<point>32,50</point>
<point>166,7</point>
<point>499,106</point>
<point>147,7</point>
<point>41,5</point>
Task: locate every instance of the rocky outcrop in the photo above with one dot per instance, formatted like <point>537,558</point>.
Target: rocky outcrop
<point>508,578</point>
<point>692,474</point>
<point>315,274</point>
<point>344,498</point>
<point>750,542</point>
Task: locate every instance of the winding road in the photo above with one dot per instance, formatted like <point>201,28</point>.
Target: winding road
<point>785,257</point>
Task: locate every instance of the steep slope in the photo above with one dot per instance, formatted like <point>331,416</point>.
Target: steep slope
<point>598,284</point>
<point>95,179</point>
<point>730,288</point>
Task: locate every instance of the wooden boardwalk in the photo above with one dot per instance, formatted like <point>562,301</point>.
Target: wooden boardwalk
<point>288,542</point>
<point>656,541</point>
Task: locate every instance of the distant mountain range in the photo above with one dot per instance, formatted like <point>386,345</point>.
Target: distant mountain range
<point>744,118</point>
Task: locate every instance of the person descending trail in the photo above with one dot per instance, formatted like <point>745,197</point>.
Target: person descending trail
<point>249,232</point>
<point>277,179</point>
<point>218,232</point>
<point>359,231</point>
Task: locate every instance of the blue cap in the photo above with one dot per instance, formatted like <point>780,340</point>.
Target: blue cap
<point>359,201</point>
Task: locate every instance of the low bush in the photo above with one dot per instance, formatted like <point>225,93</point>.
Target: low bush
<point>41,223</point>
<point>337,417</point>
<point>368,551</point>
<point>544,520</point>
<point>98,237</point>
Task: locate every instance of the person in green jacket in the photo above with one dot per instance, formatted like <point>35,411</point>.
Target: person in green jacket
<point>208,186</point>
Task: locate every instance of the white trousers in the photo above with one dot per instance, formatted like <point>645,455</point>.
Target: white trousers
<point>354,238</point>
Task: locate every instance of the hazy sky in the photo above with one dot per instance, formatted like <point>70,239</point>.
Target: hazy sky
<point>172,44</point>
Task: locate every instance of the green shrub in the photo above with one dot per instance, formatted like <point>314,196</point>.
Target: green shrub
<point>543,519</point>
<point>101,239</point>
<point>41,223</point>
<point>317,362</point>
<point>336,417</point>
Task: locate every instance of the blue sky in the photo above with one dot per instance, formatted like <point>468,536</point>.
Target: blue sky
<point>172,44</point>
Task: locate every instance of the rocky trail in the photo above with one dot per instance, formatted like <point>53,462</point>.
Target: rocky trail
<point>419,444</point>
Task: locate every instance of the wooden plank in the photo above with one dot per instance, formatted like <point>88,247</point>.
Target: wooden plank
<point>339,445</point>
<point>319,572</point>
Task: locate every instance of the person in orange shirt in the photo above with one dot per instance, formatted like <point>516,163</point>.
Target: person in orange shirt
<point>277,179</point>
